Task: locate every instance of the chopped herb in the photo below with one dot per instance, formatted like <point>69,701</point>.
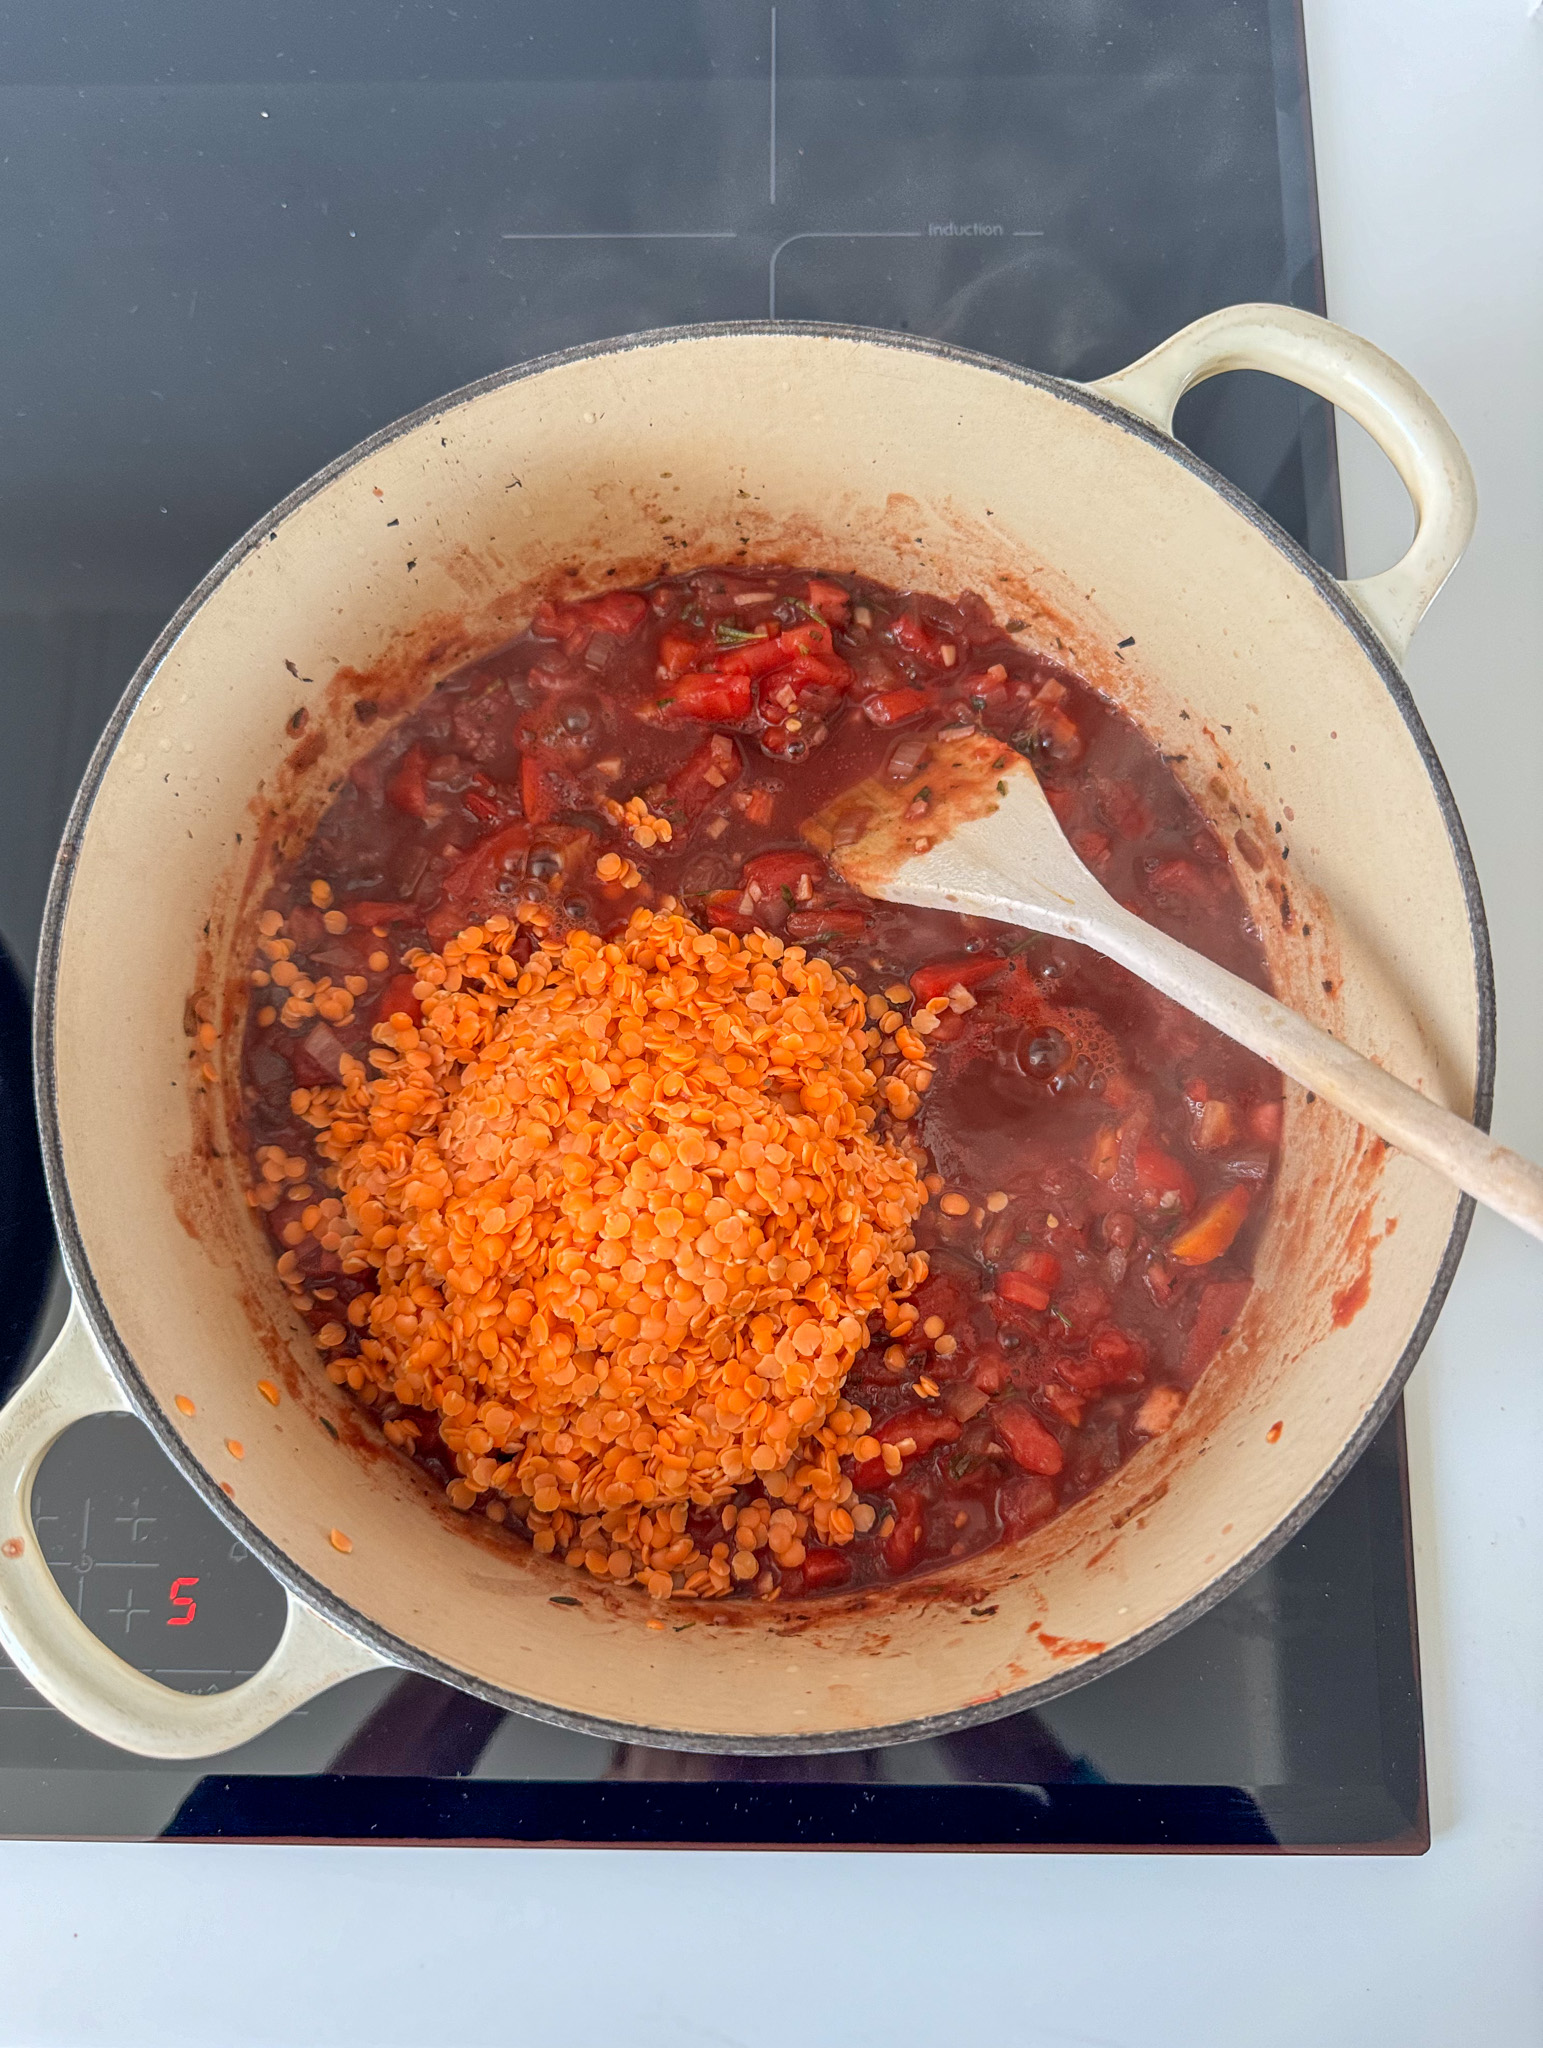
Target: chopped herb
<point>731,636</point>
<point>1062,1318</point>
<point>331,1428</point>
<point>999,763</point>
<point>1128,641</point>
<point>808,611</point>
<point>1017,626</point>
<point>693,617</point>
<point>561,1600</point>
<point>977,703</point>
<point>924,796</point>
<point>787,895</point>
<point>1001,789</point>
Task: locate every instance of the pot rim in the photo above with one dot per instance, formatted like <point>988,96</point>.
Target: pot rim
<point>350,1620</point>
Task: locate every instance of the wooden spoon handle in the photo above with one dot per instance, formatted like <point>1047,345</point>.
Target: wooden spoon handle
<point>1499,1177</point>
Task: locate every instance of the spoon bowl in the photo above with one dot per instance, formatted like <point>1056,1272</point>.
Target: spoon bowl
<point>973,831</point>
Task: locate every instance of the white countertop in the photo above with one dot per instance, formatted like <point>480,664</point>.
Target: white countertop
<point>1429,124</point>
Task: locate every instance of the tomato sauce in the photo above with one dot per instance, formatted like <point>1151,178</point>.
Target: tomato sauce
<point>1100,1162</point>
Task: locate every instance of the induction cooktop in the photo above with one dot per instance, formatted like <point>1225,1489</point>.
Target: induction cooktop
<point>240,241</point>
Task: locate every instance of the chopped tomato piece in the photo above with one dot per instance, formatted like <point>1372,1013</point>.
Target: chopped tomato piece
<point>679,655</point>
<point>1213,1230</point>
<point>407,790</point>
<point>1026,1293</point>
<point>753,657</point>
<point>920,1427</point>
<point>1044,1267</point>
<point>1025,1438</point>
<point>829,600</point>
<point>826,1568</point>
<point>717,699</point>
<point>829,922</point>
<point>969,970</point>
<point>479,870</point>
<point>909,632</point>
<point>904,1538</point>
<point>944,1293</point>
<point>812,637</point>
<point>619,612</point>
<point>894,707</point>
<point>543,791</point>
<point>914,1432</point>
<point>366,911</point>
<point>1160,1174</point>
<point>780,689</point>
<point>1067,1405</point>
<point>722,908</point>
<point>1114,1360</point>
<point>397,999</point>
<point>794,870</point>
<point>989,1372</point>
<point>713,767</point>
<point>549,622</point>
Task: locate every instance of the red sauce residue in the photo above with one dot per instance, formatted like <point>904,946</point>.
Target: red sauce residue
<point>1349,1301</point>
<point>1072,1646</point>
<point>1272,1434</point>
<point>13,1546</point>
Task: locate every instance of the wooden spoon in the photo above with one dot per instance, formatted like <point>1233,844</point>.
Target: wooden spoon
<point>973,832</point>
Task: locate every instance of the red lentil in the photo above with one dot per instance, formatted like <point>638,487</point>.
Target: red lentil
<point>628,1218</point>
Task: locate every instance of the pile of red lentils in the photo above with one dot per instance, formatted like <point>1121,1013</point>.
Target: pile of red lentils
<point>631,1210</point>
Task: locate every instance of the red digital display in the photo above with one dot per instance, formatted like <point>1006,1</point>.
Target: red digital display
<point>180,1596</point>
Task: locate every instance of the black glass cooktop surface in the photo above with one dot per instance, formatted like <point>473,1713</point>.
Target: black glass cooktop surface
<point>237,241</point>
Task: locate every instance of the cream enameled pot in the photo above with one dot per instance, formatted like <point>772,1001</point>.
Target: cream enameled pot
<point>1272,688</point>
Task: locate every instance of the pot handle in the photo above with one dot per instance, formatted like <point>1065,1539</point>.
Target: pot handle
<point>1362,381</point>
<point>55,1651</point>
